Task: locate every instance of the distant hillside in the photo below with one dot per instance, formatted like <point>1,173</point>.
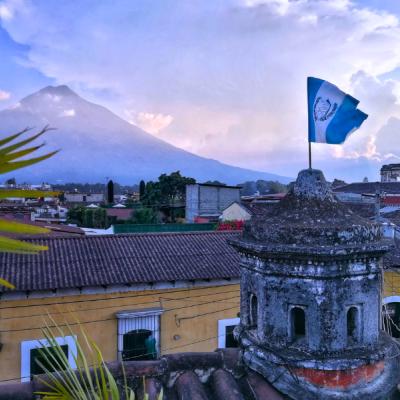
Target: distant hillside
<point>97,144</point>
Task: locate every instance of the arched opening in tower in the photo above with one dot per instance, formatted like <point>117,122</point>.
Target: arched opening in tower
<point>253,310</point>
<point>298,322</point>
<point>353,324</point>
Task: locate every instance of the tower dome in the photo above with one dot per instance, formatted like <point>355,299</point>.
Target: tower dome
<point>311,298</point>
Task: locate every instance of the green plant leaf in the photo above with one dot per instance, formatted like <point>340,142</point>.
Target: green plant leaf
<point>9,149</point>
<point>9,139</point>
<point>17,246</point>
<point>7,167</point>
<point>20,193</point>
<point>21,153</point>
<point>6,284</point>
<point>17,227</point>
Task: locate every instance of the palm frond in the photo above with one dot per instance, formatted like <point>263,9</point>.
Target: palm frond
<point>8,245</point>
<point>12,166</point>
<point>6,284</point>
<point>17,227</point>
<point>91,379</point>
<point>10,160</point>
<point>15,146</point>
<point>22,193</point>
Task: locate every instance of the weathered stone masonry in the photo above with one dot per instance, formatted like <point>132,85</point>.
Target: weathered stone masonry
<point>311,298</point>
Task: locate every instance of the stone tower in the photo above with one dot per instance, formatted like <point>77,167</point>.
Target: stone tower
<point>311,281</point>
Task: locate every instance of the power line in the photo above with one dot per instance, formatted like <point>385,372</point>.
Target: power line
<point>160,291</point>
<point>123,305</point>
<point>160,299</point>
<point>113,319</point>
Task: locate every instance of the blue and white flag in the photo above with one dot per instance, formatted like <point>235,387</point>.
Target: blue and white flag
<point>332,114</point>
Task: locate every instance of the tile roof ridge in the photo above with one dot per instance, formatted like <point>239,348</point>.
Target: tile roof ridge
<point>117,235</point>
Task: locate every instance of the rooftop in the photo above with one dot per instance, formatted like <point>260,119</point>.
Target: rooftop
<point>388,167</point>
<point>73,262</point>
<point>309,215</point>
<point>369,188</point>
<point>184,376</point>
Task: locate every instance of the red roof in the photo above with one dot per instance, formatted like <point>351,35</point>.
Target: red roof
<point>391,200</point>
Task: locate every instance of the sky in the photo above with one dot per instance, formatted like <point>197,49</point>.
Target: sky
<point>225,79</point>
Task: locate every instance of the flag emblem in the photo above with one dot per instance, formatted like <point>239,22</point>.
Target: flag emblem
<point>332,114</point>
<point>323,109</point>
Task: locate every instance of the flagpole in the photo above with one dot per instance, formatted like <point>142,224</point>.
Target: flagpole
<point>309,155</point>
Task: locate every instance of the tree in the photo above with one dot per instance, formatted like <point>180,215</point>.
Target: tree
<point>11,182</point>
<point>262,187</point>
<point>142,189</point>
<point>248,188</point>
<point>10,160</point>
<point>277,187</point>
<point>217,183</point>
<point>168,190</point>
<point>338,183</point>
<point>168,193</point>
<point>144,216</point>
<point>88,217</point>
<point>75,215</point>
<point>110,192</point>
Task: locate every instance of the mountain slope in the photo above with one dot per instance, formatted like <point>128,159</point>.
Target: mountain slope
<point>95,144</point>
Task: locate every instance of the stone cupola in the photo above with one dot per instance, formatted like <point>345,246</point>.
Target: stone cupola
<point>311,282</point>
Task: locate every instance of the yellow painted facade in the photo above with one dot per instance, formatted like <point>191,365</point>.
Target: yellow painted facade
<point>391,283</point>
<point>189,321</point>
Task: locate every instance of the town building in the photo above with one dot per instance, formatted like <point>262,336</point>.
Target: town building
<point>76,198</point>
<point>390,173</point>
<point>236,212</point>
<point>180,287</point>
<point>310,309</point>
<point>205,202</point>
<point>119,212</point>
<point>245,210</point>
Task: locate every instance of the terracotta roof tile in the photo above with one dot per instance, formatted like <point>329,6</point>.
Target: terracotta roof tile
<point>184,376</point>
<point>122,259</point>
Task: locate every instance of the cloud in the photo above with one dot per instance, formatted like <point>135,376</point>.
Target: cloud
<point>152,123</point>
<point>68,113</point>
<point>4,95</point>
<point>8,9</point>
<point>232,73</point>
<point>5,11</point>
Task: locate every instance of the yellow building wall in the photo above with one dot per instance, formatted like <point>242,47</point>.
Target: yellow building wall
<point>191,315</point>
<point>391,283</point>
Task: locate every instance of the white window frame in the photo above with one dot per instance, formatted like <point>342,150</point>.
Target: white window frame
<point>124,316</point>
<point>391,299</point>
<point>28,345</point>
<point>222,324</point>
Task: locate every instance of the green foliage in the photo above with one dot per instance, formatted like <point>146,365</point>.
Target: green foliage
<point>110,192</point>
<point>11,153</point>
<point>75,215</point>
<point>142,189</point>
<point>215,183</point>
<point>92,380</point>
<point>144,216</point>
<point>94,188</point>
<point>262,187</point>
<point>88,217</point>
<point>99,218</point>
<point>168,190</point>
<point>338,183</point>
<point>11,181</point>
